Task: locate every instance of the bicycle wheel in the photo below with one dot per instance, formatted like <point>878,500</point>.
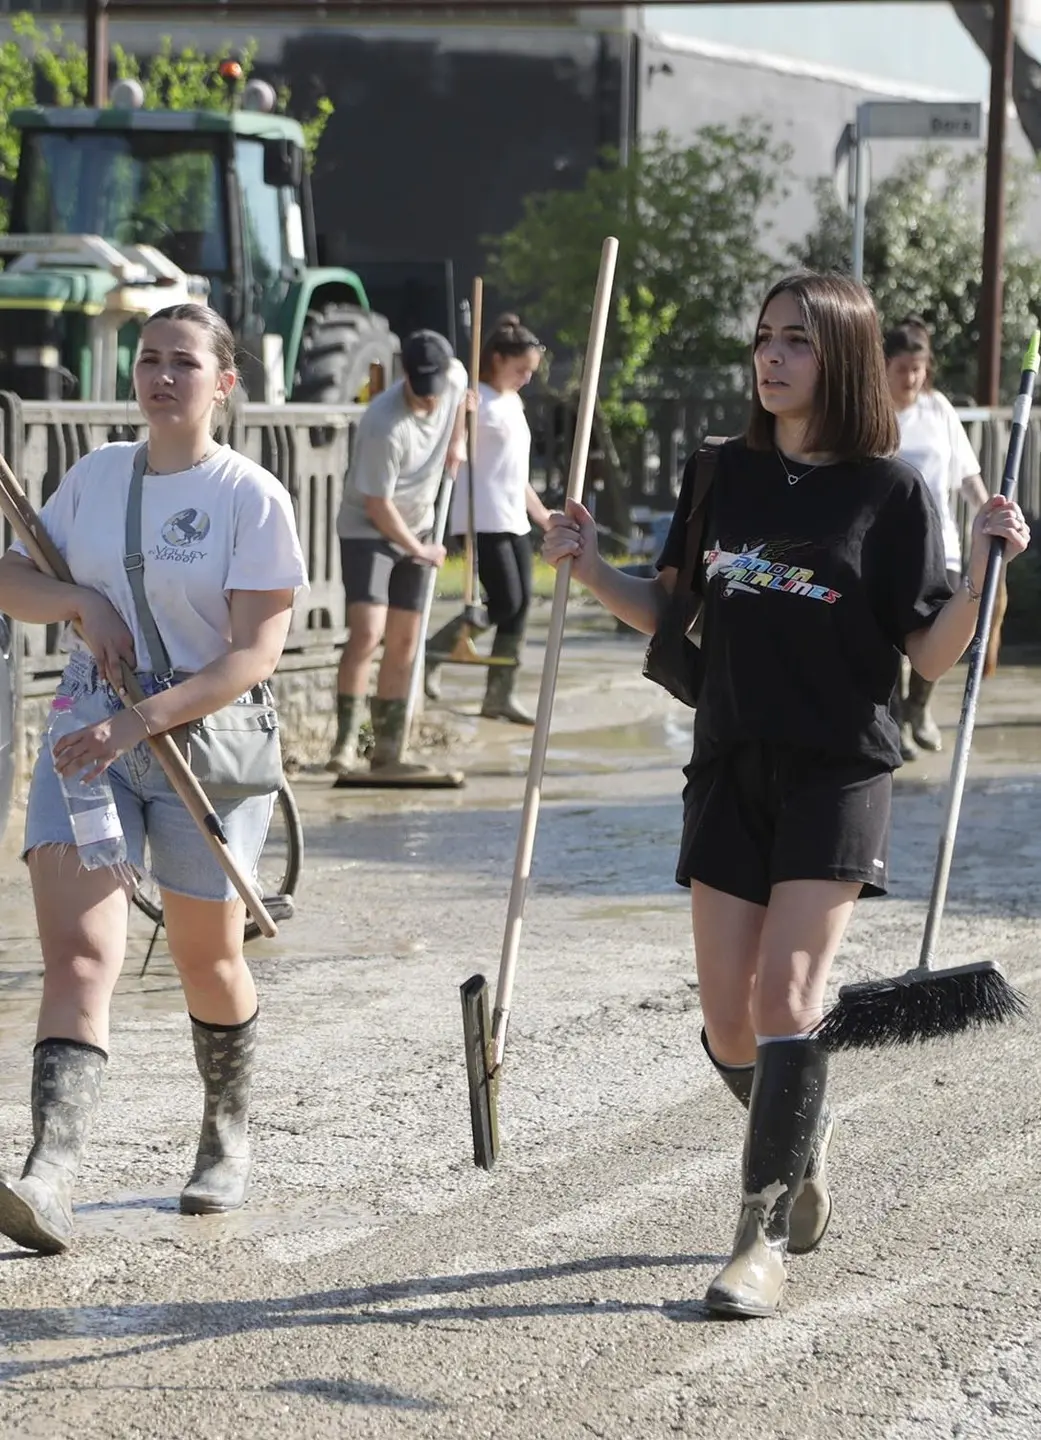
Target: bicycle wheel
<point>278,870</point>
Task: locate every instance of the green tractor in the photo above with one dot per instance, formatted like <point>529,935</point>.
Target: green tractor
<point>116,213</point>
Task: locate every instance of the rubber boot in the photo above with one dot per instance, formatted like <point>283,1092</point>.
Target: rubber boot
<point>811,1209</point>
<point>783,1115</point>
<point>499,703</point>
<point>438,646</point>
<point>388,752</point>
<point>924,728</point>
<point>223,1161</point>
<point>350,710</point>
<point>36,1211</point>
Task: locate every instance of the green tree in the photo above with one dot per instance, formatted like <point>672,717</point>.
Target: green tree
<point>693,259</point>
<point>923,253</point>
<point>39,60</point>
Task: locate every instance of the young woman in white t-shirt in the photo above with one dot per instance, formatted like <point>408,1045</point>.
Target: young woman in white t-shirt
<point>933,440</point>
<point>505,506</point>
<point>222,563</point>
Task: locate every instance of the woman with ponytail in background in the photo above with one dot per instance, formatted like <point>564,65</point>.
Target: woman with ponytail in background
<point>505,506</point>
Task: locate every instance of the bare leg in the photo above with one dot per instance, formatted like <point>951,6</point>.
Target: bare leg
<point>726,945</point>
<point>205,938</point>
<point>805,923</point>
<point>82,920</point>
<point>366,625</point>
<point>400,643</point>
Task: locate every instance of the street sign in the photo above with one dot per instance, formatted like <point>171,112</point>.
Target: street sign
<point>897,120</point>
<point>920,120</point>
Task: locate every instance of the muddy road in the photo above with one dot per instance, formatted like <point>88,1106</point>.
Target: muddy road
<point>378,1285</point>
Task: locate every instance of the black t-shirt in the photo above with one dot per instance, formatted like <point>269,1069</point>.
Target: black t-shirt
<point>810,592</point>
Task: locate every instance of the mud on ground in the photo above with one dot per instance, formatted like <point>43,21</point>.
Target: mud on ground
<point>379,1285</point>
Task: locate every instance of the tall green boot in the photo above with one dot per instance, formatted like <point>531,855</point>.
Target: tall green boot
<point>438,646</point>
<point>389,756</point>
<point>811,1209</point>
<point>783,1114</point>
<point>36,1211</point>
<point>499,703</point>
<point>224,1057</point>
<point>350,711</point>
<point>924,728</point>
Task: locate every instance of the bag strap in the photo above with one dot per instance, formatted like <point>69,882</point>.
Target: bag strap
<point>705,460</point>
<point>134,565</point>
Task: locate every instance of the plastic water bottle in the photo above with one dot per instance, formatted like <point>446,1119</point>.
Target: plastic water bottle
<point>91,804</point>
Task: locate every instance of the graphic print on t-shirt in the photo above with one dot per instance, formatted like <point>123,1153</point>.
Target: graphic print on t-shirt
<point>760,566</point>
<point>185,529</point>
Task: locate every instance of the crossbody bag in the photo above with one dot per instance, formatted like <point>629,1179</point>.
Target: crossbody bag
<point>235,752</point>
<point>673,659</point>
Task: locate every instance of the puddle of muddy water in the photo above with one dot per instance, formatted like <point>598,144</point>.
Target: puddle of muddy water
<point>130,1217</point>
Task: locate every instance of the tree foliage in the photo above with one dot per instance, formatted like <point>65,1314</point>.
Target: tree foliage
<point>693,263</point>
<point>39,64</point>
<point>923,253</point>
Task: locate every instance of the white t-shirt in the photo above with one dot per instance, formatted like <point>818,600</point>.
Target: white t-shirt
<point>399,454</point>
<point>933,440</point>
<point>222,526</point>
<point>503,468</point>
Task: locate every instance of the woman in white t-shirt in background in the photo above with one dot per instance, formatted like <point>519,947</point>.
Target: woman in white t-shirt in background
<point>222,563</point>
<point>505,506</point>
<point>933,440</point>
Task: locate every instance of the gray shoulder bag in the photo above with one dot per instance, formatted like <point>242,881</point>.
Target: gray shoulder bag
<point>236,751</point>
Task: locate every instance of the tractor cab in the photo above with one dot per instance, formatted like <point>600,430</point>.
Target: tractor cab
<point>119,212</point>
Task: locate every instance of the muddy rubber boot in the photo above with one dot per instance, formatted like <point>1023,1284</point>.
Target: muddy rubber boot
<point>787,1098</point>
<point>350,710</point>
<point>499,703</point>
<point>36,1211</point>
<point>223,1162</point>
<point>389,756</point>
<point>924,728</point>
<point>811,1210</point>
<point>438,646</point>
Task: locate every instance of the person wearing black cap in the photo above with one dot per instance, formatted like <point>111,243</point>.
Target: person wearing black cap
<point>407,438</point>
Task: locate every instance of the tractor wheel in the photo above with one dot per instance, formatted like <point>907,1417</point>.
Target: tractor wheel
<point>339,344</point>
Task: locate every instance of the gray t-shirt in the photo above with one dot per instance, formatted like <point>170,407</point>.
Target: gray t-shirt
<point>399,455</point>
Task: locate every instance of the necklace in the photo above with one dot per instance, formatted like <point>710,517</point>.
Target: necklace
<point>790,475</point>
<point>151,470</point>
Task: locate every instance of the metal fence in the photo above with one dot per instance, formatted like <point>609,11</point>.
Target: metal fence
<point>308,447</point>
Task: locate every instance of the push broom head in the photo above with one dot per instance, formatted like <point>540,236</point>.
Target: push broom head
<point>481,1078</point>
<point>919,1005</point>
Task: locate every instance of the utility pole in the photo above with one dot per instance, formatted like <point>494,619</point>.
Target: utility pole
<point>97,52</point>
<point>992,293</point>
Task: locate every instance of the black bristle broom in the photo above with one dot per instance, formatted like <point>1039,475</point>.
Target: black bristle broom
<point>926,1003</point>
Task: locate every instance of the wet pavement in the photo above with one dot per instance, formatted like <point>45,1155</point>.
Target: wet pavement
<point>377,1284</point>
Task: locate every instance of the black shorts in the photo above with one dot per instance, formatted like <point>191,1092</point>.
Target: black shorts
<point>767,813</point>
<point>375,572</point>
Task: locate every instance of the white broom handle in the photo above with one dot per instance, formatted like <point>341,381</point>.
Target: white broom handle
<point>444,499</point>
<point>476,321</point>
<point>548,685</point>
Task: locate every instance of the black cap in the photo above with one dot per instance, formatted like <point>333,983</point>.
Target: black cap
<point>425,358</point>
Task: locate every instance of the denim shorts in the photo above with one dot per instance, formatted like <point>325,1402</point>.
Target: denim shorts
<point>179,858</point>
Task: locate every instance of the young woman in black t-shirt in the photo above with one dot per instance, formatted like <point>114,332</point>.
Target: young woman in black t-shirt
<point>823,562</point>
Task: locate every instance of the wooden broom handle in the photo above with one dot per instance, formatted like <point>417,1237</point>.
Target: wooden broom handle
<point>548,685</point>
<point>476,321</point>
<point>47,558</point>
